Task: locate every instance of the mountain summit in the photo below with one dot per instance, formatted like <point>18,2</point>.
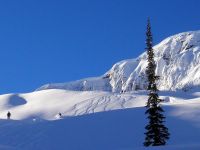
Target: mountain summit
<point>178,65</point>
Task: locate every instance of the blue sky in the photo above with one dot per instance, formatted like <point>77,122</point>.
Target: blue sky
<point>47,41</point>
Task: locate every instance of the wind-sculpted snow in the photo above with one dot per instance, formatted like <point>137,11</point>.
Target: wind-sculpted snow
<point>178,65</point>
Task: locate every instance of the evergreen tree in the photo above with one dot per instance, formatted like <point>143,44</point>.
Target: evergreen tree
<point>156,133</point>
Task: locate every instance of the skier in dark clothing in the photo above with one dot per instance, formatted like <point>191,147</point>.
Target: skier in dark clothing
<point>8,115</point>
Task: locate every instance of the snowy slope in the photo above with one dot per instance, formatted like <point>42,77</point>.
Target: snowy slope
<point>37,127</point>
<point>46,104</point>
<point>178,64</point>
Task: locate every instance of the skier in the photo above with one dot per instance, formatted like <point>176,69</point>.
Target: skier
<point>60,115</point>
<point>8,115</point>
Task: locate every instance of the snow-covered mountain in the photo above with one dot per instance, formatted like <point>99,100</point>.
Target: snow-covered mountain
<point>178,65</point>
<point>96,115</point>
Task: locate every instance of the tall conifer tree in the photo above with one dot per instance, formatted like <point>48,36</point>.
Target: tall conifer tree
<point>156,132</point>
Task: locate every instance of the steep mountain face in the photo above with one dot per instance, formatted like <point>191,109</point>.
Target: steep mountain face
<point>178,65</point>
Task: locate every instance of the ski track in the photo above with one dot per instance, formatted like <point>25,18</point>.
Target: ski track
<point>102,103</point>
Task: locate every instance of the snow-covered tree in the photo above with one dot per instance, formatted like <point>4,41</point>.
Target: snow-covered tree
<point>156,132</point>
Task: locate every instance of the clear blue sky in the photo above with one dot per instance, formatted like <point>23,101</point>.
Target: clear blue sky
<point>47,41</point>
